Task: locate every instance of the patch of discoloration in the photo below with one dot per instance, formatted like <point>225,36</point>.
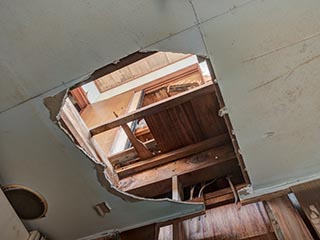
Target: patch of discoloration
<point>54,104</point>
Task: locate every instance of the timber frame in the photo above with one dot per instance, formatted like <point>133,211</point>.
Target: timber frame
<point>212,157</point>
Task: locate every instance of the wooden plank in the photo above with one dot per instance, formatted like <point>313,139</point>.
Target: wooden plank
<point>142,151</point>
<point>130,153</point>
<point>185,166</point>
<point>177,189</point>
<point>146,232</point>
<point>286,221</point>
<point>177,194</point>
<point>191,71</point>
<point>231,222</point>
<point>188,123</point>
<point>217,198</point>
<point>308,195</point>
<point>179,127</point>
<point>153,108</point>
<point>120,142</point>
<point>80,132</point>
<point>173,155</point>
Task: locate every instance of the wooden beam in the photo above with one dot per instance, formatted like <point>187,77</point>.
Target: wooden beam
<point>218,198</point>
<point>172,156</point>
<point>177,194</point>
<point>285,220</point>
<point>177,189</point>
<point>141,149</point>
<point>183,167</point>
<point>121,140</point>
<point>130,153</point>
<point>308,195</point>
<point>154,108</point>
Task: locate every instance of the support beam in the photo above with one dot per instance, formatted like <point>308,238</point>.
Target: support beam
<point>141,149</point>
<point>172,156</point>
<point>122,157</point>
<point>285,220</point>
<point>204,166</point>
<point>218,198</point>
<point>308,195</point>
<point>154,108</point>
<point>177,189</point>
<point>177,194</point>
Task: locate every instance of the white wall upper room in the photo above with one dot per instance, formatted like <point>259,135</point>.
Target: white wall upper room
<point>266,56</point>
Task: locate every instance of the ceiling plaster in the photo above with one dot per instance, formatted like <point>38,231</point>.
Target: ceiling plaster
<point>266,58</point>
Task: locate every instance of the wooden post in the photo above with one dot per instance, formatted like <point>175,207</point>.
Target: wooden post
<point>177,194</point>
<point>141,149</point>
<point>308,195</point>
<point>286,221</point>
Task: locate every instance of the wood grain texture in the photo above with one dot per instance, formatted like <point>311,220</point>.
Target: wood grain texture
<point>187,123</point>
<point>308,195</point>
<point>141,149</point>
<point>204,166</point>
<point>173,155</point>
<point>229,222</point>
<point>153,108</point>
<point>160,87</point>
<point>286,220</point>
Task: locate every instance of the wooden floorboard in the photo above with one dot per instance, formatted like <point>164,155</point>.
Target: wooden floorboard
<point>228,222</point>
<point>308,195</point>
<point>286,221</point>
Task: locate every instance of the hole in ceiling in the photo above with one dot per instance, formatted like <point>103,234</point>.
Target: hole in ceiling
<point>151,117</point>
<point>27,203</point>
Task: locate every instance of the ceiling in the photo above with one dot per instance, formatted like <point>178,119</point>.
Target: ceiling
<point>266,56</point>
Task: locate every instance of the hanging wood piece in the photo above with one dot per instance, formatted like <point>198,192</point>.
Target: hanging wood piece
<point>142,151</point>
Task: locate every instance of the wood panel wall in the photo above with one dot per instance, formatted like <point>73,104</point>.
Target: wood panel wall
<point>286,221</point>
<point>308,195</point>
<point>227,223</point>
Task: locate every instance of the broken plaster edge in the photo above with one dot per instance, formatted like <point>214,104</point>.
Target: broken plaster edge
<point>106,183</point>
<point>112,232</point>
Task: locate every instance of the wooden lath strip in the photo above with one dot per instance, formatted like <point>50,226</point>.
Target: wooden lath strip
<point>154,108</point>
<point>173,155</point>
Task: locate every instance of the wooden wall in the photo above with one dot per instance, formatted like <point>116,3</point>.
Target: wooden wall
<point>227,222</point>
